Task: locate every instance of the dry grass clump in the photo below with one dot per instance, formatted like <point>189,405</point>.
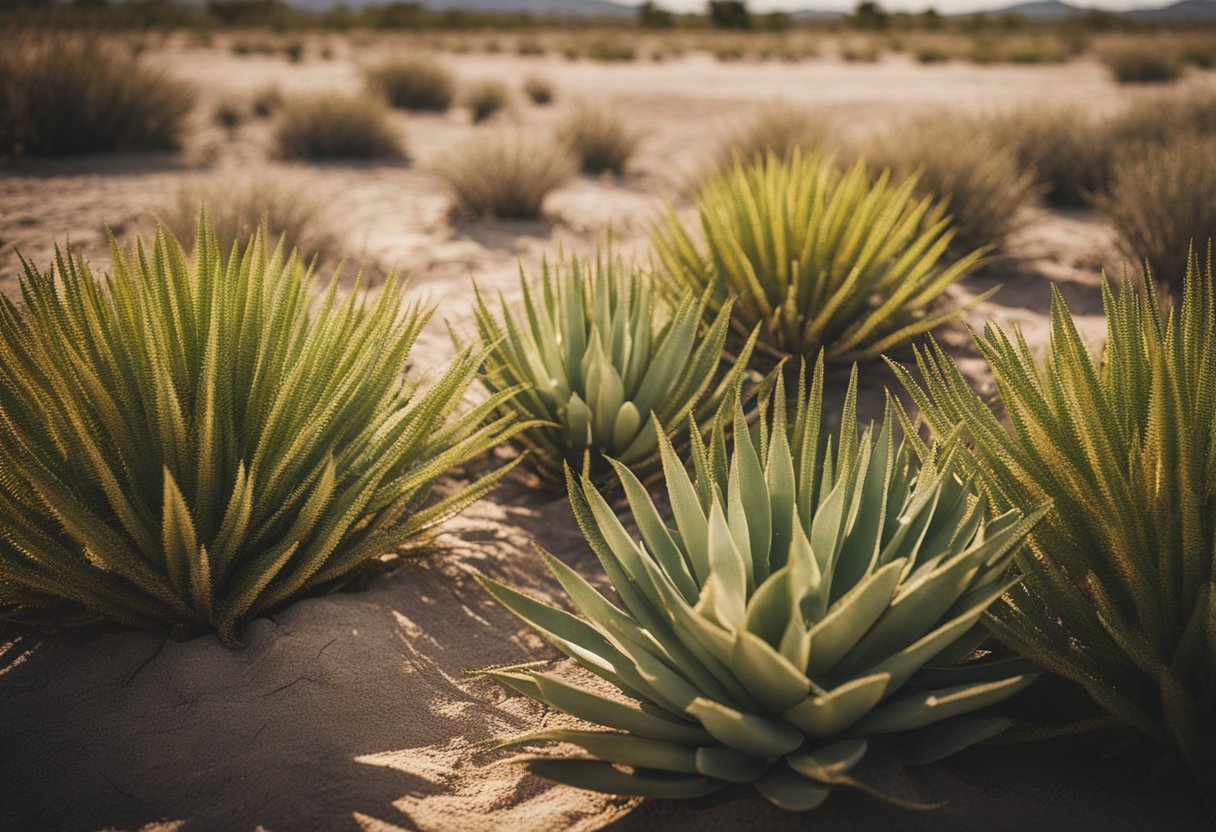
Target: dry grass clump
<point>611,52</point>
<point>413,83</point>
<point>1162,200</point>
<point>1069,152</point>
<point>598,137</point>
<point>504,174</point>
<point>485,98</point>
<point>331,125</point>
<point>288,207</point>
<point>538,89</point>
<point>1142,63</point>
<point>229,112</point>
<point>989,192</point>
<point>266,101</point>
<point>778,128</point>
<point>64,95</point>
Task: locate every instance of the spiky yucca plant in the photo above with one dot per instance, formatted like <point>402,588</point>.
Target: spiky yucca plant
<point>820,258</point>
<point>1118,594</point>
<point>191,442</point>
<point>597,354</point>
<point>810,600</point>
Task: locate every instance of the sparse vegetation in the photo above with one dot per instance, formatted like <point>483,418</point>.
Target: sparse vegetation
<point>229,113</point>
<point>485,98</point>
<point>413,83</point>
<point>267,101</point>
<point>66,95</point>
<point>1142,63</point>
<point>778,128</point>
<point>331,125</point>
<point>610,51</point>
<point>599,137</point>
<point>1069,152</point>
<point>538,89</point>
<point>504,174</point>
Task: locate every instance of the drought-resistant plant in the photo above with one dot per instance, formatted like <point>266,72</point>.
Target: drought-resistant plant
<point>538,89</point>
<point>267,100</point>
<point>597,356</point>
<point>191,442</point>
<point>413,83</point>
<point>809,600</point>
<point>599,138</point>
<point>229,113</point>
<point>778,128</point>
<point>332,125</point>
<point>486,98</point>
<point>1146,63</point>
<point>820,258</point>
<point>65,95</point>
<point>1069,152</point>
<point>1118,590</point>
<point>504,173</point>
<point>1162,199</point>
<point>989,192</point>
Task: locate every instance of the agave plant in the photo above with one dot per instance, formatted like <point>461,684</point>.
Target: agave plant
<point>1118,594</point>
<point>819,258</point>
<point>810,601</point>
<point>596,356</point>
<point>189,443</point>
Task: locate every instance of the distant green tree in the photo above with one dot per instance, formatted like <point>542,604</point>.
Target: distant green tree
<point>729,14</point>
<point>870,15</point>
<point>651,16</point>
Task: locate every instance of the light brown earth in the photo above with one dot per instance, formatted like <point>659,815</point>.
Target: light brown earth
<point>355,710</point>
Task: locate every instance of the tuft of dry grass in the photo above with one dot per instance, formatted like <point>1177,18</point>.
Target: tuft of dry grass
<point>538,89</point>
<point>504,174</point>
<point>1142,63</point>
<point>1068,152</point>
<point>989,192</point>
<point>331,125</point>
<point>267,100</point>
<point>778,128</point>
<point>1161,201</point>
<point>413,83</point>
<point>229,112</point>
<point>65,95</point>
<point>288,205</point>
<point>598,137</point>
<point>486,98</point>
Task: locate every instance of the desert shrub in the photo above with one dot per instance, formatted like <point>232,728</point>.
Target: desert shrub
<point>1069,152</point>
<point>244,47</point>
<point>229,113</point>
<point>332,125</point>
<point>993,50</point>
<point>778,128</point>
<point>538,89</point>
<point>818,257</point>
<point>860,53</point>
<point>195,441</point>
<point>1162,117</point>
<point>486,98</point>
<point>267,101</point>
<point>599,137</point>
<point>933,54</point>
<point>504,173</point>
<point>782,625</point>
<point>1141,63</point>
<point>529,47</point>
<point>1117,592</point>
<point>1199,53</point>
<point>610,51</point>
<point>989,192</point>
<point>1161,199</point>
<point>413,83</point>
<point>294,51</point>
<point>602,361</point>
<point>285,207</point>
<point>68,95</point>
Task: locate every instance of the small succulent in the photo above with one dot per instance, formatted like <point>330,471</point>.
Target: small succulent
<point>818,257</point>
<point>597,355</point>
<point>808,600</point>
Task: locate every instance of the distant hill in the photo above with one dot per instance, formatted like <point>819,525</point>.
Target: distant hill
<point>1049,10</point>
<point>1182,10</point>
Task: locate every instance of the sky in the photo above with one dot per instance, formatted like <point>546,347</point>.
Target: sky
<point>947,6</point>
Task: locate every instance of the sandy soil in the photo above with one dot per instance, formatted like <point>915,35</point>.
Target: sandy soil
<point>356,710</point>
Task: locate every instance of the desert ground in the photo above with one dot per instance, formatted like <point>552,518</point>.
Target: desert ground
<point>357,709</point>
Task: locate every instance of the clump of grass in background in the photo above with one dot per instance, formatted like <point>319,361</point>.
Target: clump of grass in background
<point>989,192</point>
<point>933,54</point>
<point>610,51</point>
<point>413,83</point>
<point>286,207</point>
<point>529,48</point>
<point>818,257</point>
<point>332,125</point>
<point>294,50</point>
<point>243,47</point>
<point>778,128</point>
<point>219,443</point>
<point>598,137</point>
<point>1161,200</point>
<point>1199,53</point>
<point>1069,152</point>
<point>267,101</point>
<point>504,174</point>
<point>1141,63</point>
<point>860,53</point>
<point>68,95</point>
<point>485,98</point>
<point>229,113</point>
<point>538,89</point>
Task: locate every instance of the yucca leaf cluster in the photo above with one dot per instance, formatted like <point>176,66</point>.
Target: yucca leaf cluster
<point>189,442</point>
<point>820,258</point>
<point>1118,592</point>
<point>597,355</point>
<point>808,599</point>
